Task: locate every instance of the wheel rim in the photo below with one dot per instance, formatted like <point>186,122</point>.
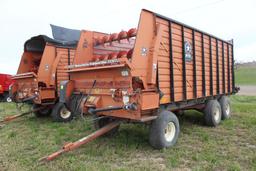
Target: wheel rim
<point>9,99</point>
<point>65,113</point>
<point>169,131</point>
<point>216,114</point>
<point>227,108</point>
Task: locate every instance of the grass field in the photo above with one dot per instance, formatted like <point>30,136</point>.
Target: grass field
<point>245,75</point>
<point>230,146</point>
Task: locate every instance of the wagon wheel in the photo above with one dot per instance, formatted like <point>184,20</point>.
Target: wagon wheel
<point>60,113</point>
<point>225,107</point>
<point>164,130</point>
<point>212,113</point>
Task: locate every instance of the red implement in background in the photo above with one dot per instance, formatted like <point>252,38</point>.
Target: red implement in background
<point>5,82</point>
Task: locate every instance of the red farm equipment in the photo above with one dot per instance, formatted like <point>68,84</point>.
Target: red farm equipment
<point>5,82</point>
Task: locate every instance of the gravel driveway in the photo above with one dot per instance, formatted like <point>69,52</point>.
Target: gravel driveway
<point>247,90</point>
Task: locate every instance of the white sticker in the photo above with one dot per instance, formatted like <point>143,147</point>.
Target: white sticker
<point>46,67</point>
<point>154,66</point>
<point>144,51</point>
<point>124,73</point>
<point>126,99</point>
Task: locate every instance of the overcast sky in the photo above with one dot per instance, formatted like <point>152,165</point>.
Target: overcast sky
<point>22,19</point>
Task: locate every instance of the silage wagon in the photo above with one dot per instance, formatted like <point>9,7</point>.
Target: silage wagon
<point>157,70</point>
<point>42,68</point>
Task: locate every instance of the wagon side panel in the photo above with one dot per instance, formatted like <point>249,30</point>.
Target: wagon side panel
<point>164,62</point>
<point>177,61</point>
<point>208,73</point>
<point>67,58</point>
<point>199,64</point>
<point>189,65</point>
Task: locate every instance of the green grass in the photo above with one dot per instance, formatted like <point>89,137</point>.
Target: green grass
<point>245,75</point>
<point>230,146</point>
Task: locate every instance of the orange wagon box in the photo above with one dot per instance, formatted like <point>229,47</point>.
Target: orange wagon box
<point>150,73</point>
<point>42,68</point>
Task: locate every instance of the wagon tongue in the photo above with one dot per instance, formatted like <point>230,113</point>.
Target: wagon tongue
<point>10,118</point>
<point>73,145</point>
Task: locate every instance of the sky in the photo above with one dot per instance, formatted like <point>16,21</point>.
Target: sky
<point>21,20</point>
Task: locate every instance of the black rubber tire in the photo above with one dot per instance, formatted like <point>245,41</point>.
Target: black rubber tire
<point>157,138</point>
<point>42,113</point>
<point>7,98</point>
<point>56,113</point>
<point>210,110</point>
<point>224,103</point>
<point>99,123</point>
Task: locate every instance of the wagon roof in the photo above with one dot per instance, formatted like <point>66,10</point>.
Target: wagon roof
<point>65,34</point>
<point>62,37</point>
<point>37,43</point>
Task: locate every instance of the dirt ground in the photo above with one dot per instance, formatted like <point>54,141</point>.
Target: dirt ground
<point>247,90</point>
